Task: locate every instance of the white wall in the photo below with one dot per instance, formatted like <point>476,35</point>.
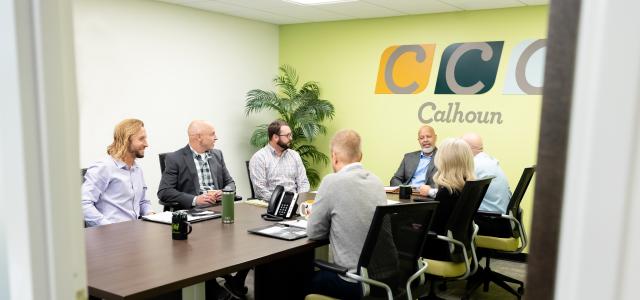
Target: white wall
<point>167,65</point>
<point>42,239</point>
<point>600,231</point>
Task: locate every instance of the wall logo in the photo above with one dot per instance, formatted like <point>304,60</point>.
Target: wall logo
<point>465,68</point>
<point>526,67</point>
<point>468,68</point>
<point>405,69</point>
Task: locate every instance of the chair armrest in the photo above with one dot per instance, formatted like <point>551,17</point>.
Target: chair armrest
<point>324,265</point>
<point>523,234</point>
<point>464,253</point>
<point>519,227</point>
<point>345,272</point>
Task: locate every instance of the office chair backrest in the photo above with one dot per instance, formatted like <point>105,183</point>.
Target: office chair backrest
<point>394,243</point>
<point>253,193</point>
<point>460,223</point>
<point>161,157</point>
<point>521,189</point>
<point>82,172</point>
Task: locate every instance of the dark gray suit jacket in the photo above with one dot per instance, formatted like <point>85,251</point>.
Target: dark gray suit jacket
<point>180,178</point>
<point>408,167</point>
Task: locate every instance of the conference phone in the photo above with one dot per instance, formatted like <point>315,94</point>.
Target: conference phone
<point>282,205</point>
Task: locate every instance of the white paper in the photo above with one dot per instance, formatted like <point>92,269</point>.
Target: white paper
<point>166,217</point>
<point>271,230</point>
<point>390,188</point>
<point>257,202</point>
<point>295,223</point>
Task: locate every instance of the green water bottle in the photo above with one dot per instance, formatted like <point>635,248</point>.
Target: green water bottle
<point>228,196</point>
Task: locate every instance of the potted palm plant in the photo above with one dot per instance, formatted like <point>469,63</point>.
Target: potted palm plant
<point>301,108</point>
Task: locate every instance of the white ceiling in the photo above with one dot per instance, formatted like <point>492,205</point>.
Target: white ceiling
<point>282,12</point>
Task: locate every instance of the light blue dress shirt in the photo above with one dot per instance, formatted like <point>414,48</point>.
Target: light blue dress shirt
<point>420,174</point>
<point>498,194</point>
<point>112,192</point>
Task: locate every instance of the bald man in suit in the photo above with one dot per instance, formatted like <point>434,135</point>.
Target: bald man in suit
<point>189,174</point>
<point>417,168</point>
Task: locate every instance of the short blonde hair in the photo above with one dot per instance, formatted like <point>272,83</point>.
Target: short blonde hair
<point>454,161</point>
<point>122,137</point>
<point>346,145</point>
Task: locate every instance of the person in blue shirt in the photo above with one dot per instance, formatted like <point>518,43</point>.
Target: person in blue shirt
<point>417,168</point>
<point>498,195</point>
<point>114,189</point>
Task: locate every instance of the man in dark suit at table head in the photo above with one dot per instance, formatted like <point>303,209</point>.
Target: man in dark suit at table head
<point>195,175</point>
<point>343,209</point>
<point>417,168</point>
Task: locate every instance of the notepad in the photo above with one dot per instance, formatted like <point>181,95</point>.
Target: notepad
<point>257,202</point>
<point>391,189</point>
<point>280,231</point>
<point>165,217</point>
<point>295,223</point>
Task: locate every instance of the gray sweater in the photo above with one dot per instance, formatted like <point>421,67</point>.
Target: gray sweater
<point>343,210</point>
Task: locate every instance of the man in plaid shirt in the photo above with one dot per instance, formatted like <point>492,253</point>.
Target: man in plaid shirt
<point>277,164</point>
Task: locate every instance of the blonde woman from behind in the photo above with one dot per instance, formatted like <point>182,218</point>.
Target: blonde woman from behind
<point>455,166</point>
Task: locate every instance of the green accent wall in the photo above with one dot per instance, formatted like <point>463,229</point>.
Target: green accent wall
<point>344,57</point>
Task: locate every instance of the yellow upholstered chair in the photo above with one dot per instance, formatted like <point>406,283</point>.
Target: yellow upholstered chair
<point>461,232</point>
<point>507,237</point>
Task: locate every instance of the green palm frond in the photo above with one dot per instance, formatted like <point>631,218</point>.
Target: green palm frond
<point>258,100</point>
<point>320,109</point>
<point>287,81</point>
<point>312,152</point>
<point>310,87</point>
<point>259,137</point>
<point>301,108</point>
<point>313,175</point>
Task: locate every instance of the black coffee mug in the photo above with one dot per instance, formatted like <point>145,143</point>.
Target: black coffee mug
<point>180,227</point>
<point>405,192</point>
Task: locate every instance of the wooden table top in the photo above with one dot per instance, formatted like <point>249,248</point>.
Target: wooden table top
<point>138,259</point>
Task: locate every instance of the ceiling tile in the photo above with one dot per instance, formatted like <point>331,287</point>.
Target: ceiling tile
<point>282,12</point>
<point>279,7</point>
<point>413,7</point>
<point>243,12</point>
<point>360,9</point>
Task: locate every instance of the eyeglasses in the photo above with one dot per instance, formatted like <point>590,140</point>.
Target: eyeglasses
<point>289,135</point>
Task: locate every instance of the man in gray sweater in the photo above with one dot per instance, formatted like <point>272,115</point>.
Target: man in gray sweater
<point>343,210</point>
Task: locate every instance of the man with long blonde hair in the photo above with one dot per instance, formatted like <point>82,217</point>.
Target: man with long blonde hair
<point>114,189</point>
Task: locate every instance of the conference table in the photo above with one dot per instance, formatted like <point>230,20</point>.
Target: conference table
<point>139,259</point>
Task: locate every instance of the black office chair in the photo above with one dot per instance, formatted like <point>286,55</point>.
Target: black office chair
<point>461,232</point>
<point>508,241</point>
<point>83,171</point>
<point>253,192</point>
<point>170,205</point>
<point>388,263</point>
<point>175,205</point>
